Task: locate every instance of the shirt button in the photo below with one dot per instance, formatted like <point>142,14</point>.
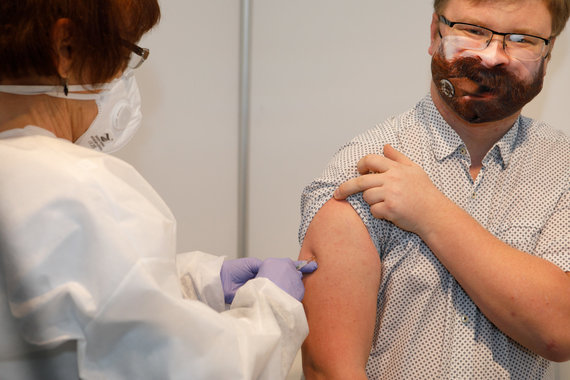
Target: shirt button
<point>465,319</point>
<point>463,151</point>
<point>474,195</point>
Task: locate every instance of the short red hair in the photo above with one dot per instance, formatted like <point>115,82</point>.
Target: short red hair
<point>98,28</point>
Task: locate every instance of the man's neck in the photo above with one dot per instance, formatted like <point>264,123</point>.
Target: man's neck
<point>478,138</point>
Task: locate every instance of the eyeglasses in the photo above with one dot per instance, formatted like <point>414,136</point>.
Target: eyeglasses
<point>524,47</point>
<point>138,54</point>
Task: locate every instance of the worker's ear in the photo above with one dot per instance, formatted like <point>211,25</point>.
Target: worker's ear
<point>435,39</point>
<point>61,37</point>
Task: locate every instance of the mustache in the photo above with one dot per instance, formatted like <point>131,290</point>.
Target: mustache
<point>488,78</point>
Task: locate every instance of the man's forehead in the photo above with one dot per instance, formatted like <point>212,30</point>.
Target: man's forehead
<point>502,3</point>
<point>522,16</point>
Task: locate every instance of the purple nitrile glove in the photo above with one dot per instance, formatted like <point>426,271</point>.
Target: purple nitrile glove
<point>235,273</point>
<point>306,266</point>
<point>283,272</point>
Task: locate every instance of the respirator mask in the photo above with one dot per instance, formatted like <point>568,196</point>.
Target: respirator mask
<point>119,109</point>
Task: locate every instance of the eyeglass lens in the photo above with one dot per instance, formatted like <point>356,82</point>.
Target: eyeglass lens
<point>135,61</point>
<point>519,46</point>
<point>138,55</point>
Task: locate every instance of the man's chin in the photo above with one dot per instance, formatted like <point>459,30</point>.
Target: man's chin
<point>480,108</point>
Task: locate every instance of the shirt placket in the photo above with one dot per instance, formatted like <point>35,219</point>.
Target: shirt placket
<point>463,312</point>
<point>476,203</point>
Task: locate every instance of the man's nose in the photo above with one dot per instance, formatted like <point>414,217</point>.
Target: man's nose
<point>494,54</point>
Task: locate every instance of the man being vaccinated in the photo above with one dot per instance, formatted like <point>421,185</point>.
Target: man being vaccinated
<point>454,217</point>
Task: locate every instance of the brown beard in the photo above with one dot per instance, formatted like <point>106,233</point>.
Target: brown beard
<point>496,93</point>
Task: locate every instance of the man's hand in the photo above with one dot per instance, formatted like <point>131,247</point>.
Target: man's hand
<point>396,189</point>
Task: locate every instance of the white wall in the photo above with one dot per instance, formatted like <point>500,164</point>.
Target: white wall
<point>187,146</point>
<point>321,72</point>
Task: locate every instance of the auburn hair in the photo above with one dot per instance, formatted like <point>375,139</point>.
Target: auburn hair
<point>98,31</point>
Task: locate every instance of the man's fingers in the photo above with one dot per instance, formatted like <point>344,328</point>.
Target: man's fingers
<point>356,185</point>
<point>373,195</point>
<point>394,155</point>
<point>371,163</point>
<point>374,163</point>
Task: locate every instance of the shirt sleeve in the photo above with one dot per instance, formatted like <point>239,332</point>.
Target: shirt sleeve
<point>554,240</point>
<point>341,168</point>
<point>199,275</point>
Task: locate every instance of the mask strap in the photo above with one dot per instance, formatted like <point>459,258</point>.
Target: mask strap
<point>77,92</point>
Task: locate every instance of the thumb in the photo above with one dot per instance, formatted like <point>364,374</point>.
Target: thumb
<point>394,155</point>
<point>306,268</point>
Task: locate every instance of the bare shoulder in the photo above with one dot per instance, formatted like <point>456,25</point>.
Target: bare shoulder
<point>340,296</point>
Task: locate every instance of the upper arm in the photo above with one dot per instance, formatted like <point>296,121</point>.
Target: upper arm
<point>340,297</point>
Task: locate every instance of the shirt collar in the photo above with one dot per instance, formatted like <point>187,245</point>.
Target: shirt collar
<point>445,141</point>
<point>506,144</point>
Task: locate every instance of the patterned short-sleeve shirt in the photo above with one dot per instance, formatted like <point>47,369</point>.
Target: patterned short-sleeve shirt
<point>428,327</point>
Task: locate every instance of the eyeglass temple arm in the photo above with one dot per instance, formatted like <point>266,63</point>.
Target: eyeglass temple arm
<point>141,52</point>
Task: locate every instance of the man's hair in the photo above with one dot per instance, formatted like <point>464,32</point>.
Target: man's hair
<point>98,31</point>
<point>559,11</point>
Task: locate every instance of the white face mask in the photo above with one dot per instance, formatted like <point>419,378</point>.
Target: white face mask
<point>119,110</point>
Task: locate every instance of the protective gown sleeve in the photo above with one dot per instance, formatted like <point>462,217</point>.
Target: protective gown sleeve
<point>199,275</point>
<point>90,278</point>
<point>257,338</point>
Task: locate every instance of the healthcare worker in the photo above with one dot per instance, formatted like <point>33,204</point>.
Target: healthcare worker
<point>90,285</point>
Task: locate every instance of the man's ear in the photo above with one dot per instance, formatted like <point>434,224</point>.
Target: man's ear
<point>434,34</point>
<point>61,37</point>
<point>548,55</point>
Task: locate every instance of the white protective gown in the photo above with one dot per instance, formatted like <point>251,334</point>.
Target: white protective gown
<point>90,283</point>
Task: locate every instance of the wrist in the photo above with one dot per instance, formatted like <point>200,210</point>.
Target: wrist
<point>433,210</point>
<point>439,218</point>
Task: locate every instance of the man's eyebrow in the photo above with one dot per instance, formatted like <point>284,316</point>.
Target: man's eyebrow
<point>518,30</point>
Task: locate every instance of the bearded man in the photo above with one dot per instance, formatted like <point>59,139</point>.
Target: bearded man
<point>443,234</point>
